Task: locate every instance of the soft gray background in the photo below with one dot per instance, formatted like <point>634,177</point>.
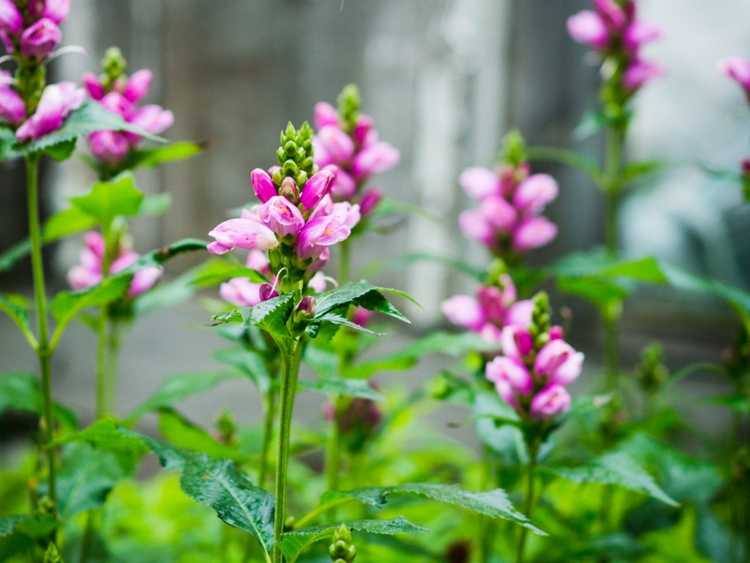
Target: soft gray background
<point>444,79</point>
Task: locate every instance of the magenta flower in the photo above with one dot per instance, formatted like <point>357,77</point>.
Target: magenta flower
<point>152,119</point>
<point>281,216</point>
<point>317,187</point>
<point>328,225</point>
<point>56,103</point>
<point>262,184</point>
<point>559,362</point>
<point>374,159</point>
<point>362,316</point>
<point>517,342</point>
<point>325,114</point>
<point>588,27</point>
<point>370,200</point>
<point>11,21</point>
<point>244,293</point>
<point>512,376</point>
<point>12,108</point>
<point>56,10</point>
<point>532,233</point>
<point>534,193</point>
<point>258,261</point>
<point>40,39</point>
<point>464,311</point>
<point>246,232</point>
<point>738,69</point>
<point>109,146</point>
<point>138,85</point>
<point>551,401</point>
<point>640,33</point>
<point>639,73</point>
<point>480,182</point>
<point>94,86</point>
<point>334,144</point>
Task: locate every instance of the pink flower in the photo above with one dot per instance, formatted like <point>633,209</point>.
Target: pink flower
<point>336,143</point>
<point>119,104</point>
<point>639,73</point>
<point>738,69</point>
<point>362,129</point>
<point>40,39</point>
<point>56,10</point>
<point>517,342</point>
<point>281,216</point>
<point>639,33</point>
<point>329,224</point>
<point>464,311</point>
<point>535,193</point>
<point>12,108</point>
<point>262,184</point>
<point>109,146</point>
<point>317,187</point>
<point>494,302</point>
<point>247,233</point>
<point>258,261</point>
<point>533,233</point>
<point>474,226</point>
<point>57,101</point>
<point>612,14</point>
<point>370,200</point>
<point>479,182</point>
<point>519,314</point>
<point>362,316</point>
<point>93,86</point>
<point>325,114</point>
<point>318,282</point>
<point>343,187</point>
<point>143,280</point>
<point>511,372</point>
<point>587,27</point>
<point>153,119</point>
<point>138,85</point>
<point>374,159</point>
<point>10,18</point>
<point>244,293</point>
<point>558,362</point>
<point>551,401</point>
<point>498,213</point>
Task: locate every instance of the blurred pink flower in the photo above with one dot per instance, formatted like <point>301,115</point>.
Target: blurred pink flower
<point>56,103</point>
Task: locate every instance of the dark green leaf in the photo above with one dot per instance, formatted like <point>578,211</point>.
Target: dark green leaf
<point>360,293</point>
<point>734,401</point>
<point>16,307</point>
<point>21,392</point>
<point>272,315</point>
<point>332,385</point>
<point>186,435</point>
<point>218,270</point>
<point>107,200</point>
<point>599,264</point>
<point>494,504</point>
<point>339,320</point>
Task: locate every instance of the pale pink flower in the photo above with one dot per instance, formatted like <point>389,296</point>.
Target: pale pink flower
<point>56,103</point>
<point>551,401</point>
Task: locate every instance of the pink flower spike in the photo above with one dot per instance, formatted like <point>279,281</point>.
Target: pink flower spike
<point>533,233</point>
<point>93,86</point>
<point>738,69</point>
<point>40,39</point>
<point>639,33</point>
<point>109,146</point>
<point>262,184</point>
<point>143,280</point>
<point>639,73</point>
<point>325,114</point>
<point>11,20</point>
<point>12,108</point>
<point>343,187</point>
<point>512,372</point>
<point>464,311</point>
<point>281,216</point>
<point>337,144</point>
<point>370,200</point>
<point>375,159</point>
<point>535,193</point>
<point>479,182</point>
<point>558,362</point>
<point>317,187</point>
<point>516,342</point>
<point>246,233</point>
<point>551,401</point>
<point>57,101</point>
<point>519,314</point>
<point>56,10</point>
<point>138,85</point>
<point>587,27</point>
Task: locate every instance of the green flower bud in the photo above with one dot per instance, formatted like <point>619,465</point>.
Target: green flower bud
<point>540,319</point>
<point>349,102</point>
<point>226,428</point>
<point>52,555</point>
<point>514,149</point>
<point>342,548</point>
<point>496,270</point>
<point>295,152</point>
<point>651,373</point>
<point>114,65</point>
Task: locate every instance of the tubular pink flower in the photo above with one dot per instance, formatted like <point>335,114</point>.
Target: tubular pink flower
<point>370,200</point>
<point>263,186</point>
<point>498,213</point>
<point>281,216</point>
<point>153,119</point>
<point>493,303</point>
<point>138,85</point>
<point>558,362</point>
<point>56,10</point>
<point>143,280</point>
<point>12,108</point>
<point>343,187</point>
<point>374,159</point>
<point>109,146</point>
<point>556,332</point>
<point>738,69</point>
<point>247,233</point>
<point>57,101</point>
<point>336,143</point>
<point>551,401</point>
<point>328,224</point>
<point>10,18</point>
<point>512,372</point>
<point>533,233</point>
<point>243,293</point>
<point>612,14</point>
<point>324,114</point>
<point>93,86</point>
<point>258,261</point>
<point>362,129</point>
<point>519,314</point>
<point>479,182</point>
<point>639,73</point>
<point>474,226</point>
<point>516,342</point>
<point>588,27</point>
<point>318,282</point>
<point>40,39</point>
<point>362,316</point>
<point>80,278</point>
<point>320,154</point>
<point>464,311</point>
<point>119,104</point>
<point>535,193</point>
<point>639,33</point>
<point>317,187</point>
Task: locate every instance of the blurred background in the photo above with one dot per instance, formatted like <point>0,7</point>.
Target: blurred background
<point>445,79</point>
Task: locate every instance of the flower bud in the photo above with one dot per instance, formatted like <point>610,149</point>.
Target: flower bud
<point>639,73</point>
<point>588,27</point>
<point>289,189</point>
<point>40,39</point>
<point>551,401</point>
<point>138,85</point>
<point>11,20</point>
<point>342,548</point>
<point>317,187</point>
<point>325,114</point>
<point>12,108</point>
<point>94,86</point>
<point>370,200</point>
<point>262,184</point>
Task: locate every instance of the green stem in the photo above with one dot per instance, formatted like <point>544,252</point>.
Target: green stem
<point>113,361</point>
<point>345,262</point>
<point>102,408</point>
<point>270,404</point>
<point>290,368</point>
<point>40,298</point>
<point>333,451</point>
<point>529,500</point>
<point>486,525</point>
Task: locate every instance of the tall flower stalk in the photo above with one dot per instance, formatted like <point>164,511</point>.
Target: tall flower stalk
<point>614,31</point>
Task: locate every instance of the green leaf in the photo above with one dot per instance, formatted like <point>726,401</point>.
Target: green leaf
<point>88,118</point>
<point>633,171</point>
<point>7,143</point>
<point>156,204</point>
<point>336,319</point>
<point>21,392</point>
<point>616,468</point>
<point>360,293</point>
<point>493,504</point>
<point>186,435</point>
<point>154,156</point>
<point>107,200</point>
<point>272,315</point>
<point>685,281</point>
<point>323,361</point>
<point>295,542</point>
<point>16,307</point>
<point>107,434</point>
<point>178,388</point>
<point>601,292</point>
<point>218,270</point>
<point>250,363</point>
<point>569,158</point>
<point>332,385</point>
<point>600,264</point>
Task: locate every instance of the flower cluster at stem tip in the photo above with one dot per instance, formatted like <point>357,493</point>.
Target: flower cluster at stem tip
<point>290,233</point>
<point>30,32</point>
<point>536,366</point>
<point>121,93</point>
<point>507,220</point>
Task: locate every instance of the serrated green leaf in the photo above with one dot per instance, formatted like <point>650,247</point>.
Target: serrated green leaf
<point>178,388</point>
<point>7,143</point>
<point>323,361</point>
<point>16,307</point>
<point>338,320</point>
<point>295,542</point>
<point>107,200</point>
<point>183,434</point>
<point>332,385</point>
<point>272,315</point>
<point>21,392</point>
<point>88,118</point>
<point>493,504</point>
<point>616,468</point>
<point>360,293</point>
